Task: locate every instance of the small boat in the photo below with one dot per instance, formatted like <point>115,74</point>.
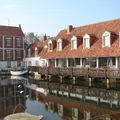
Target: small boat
<point>18,72</point>
<point>23,116</point>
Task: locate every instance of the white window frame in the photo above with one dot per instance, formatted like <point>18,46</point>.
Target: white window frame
<point>86,41</point>
<point>50,46</point>
<point>74,43</point>
<point>106,41</point>
<point>59,45</point>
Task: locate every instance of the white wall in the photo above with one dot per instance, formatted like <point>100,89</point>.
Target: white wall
<point>41,62</point>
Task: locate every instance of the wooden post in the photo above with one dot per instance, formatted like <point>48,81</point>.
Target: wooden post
<point>108,83</point>
<point>49,77</point>
<point>61,79</point>
<point>74,80</point>
<point>90,82</point>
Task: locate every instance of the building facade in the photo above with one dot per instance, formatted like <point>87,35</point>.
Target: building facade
<point>94,46</point>
<point>11,47</point>
<point>33,54</point>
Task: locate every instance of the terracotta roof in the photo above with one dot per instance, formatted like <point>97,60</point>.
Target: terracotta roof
<point>95,49</point>
<point>10,30</point>
<point>41,48</point>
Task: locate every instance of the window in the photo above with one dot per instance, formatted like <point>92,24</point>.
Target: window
<point>86,41</point>
<point>29,63</point>
<point>74,43</point>
<point>8,52</point>
<point>59,45</point>
<point>18,54</point>
<point>8,41</point>
<point>18,63</point>
<point>50,46</point>
<point>18,42</point>
<point>37,63</point>
<point>106,39</point>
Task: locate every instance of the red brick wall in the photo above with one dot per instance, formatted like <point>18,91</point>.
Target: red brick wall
<point>1,41</point>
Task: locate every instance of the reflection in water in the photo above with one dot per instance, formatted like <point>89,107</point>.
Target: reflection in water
<point>73,102</point>
<point>57,101</point>
<point>12,96</point>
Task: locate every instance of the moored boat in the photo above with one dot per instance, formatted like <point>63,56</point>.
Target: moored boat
<point>18,72</point>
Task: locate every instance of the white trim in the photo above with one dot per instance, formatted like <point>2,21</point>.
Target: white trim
<point>3,49</point>
<point>59,44</point>
<point>106,41</point>
<point>50,47</point>
<point>74,44</point>
<point>67,64</point>
<point>81,63</point>
<point>14,48</point>
<point>86,41</point>
<point>116,62</point>
<point>97,62</point>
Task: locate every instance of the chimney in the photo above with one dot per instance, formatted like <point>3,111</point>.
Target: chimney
<point>20,26</point>
<point>69,29</point>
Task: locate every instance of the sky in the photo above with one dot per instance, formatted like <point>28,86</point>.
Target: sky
<point>50,16</point>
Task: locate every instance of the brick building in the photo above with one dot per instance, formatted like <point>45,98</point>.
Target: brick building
<point>11,46</point>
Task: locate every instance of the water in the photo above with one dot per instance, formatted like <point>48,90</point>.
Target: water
<point>58,101</point>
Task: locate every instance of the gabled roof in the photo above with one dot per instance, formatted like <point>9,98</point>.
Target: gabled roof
<point>96,49</point>
<point>40,46</point>
<point>11,30</point>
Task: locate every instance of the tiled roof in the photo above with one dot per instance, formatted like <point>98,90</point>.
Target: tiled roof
<point>10,30</point>
<point>40,46</point>
<point>96,30</point>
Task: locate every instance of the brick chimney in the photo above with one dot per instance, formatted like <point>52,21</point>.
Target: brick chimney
<point>69,29</point>
<point>20,26</point>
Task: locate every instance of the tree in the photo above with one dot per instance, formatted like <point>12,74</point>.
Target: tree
<point>31,37</point>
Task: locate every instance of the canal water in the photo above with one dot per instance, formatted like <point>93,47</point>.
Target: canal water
<point>59,100</point>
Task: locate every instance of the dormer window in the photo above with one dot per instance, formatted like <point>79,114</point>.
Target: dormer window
<point>74,43</point>
<point>106,41</point>
<point>50,46</point>
<point>86,41</point>
<point>59,45</point>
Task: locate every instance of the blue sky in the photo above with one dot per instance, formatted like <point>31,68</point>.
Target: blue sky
<point>50,16</point>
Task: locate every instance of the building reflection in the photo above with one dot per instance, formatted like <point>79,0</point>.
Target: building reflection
<point>74,102</point>
<point>12,94</point>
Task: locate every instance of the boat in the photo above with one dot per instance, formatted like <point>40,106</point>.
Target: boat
<point>18,72</point>
<point>23,116</point>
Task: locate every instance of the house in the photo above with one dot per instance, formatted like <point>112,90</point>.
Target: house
<point>95,45</point>
<point>33,54</point>
<point>11,46</point>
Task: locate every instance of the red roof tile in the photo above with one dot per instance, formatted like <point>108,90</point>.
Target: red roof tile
<point>40,46</point>
<point>10,30</point>
<point>96,49</point>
